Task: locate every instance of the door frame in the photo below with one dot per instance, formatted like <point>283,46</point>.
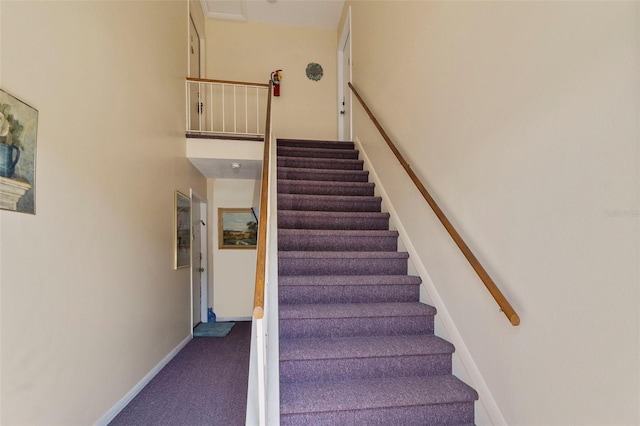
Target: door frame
<point>199,205</point>
<point>345,36</point>
<point>195,99</point>
<point>201,42</point>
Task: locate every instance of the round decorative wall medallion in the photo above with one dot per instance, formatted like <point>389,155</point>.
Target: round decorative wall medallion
<point>314,71</point>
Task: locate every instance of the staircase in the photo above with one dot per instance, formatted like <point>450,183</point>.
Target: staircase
<point>356,345</point>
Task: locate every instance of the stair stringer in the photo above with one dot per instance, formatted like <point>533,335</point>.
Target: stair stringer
<point>487,410</point>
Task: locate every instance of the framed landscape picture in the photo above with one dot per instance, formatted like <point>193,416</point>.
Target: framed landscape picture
<point>182,231</point>
<point>18,130</point>
<point>237,228</point>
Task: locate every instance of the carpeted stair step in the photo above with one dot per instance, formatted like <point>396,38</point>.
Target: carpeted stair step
<point>422,400</point>
<point>335,203</point>
<point>342,263</point>
<point>323,175</point>
<point>298,219</point>
<point>289,151</point>
<point>348,289</point>
<point>312,187</point>
<point>332,240</point>
<point>303,143</point>
<point>320,163</point>
<point>355,319</point>
<point>341,358</point>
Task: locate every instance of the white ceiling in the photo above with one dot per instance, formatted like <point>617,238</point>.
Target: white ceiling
<point>300,13</point>
<point>221,168</point>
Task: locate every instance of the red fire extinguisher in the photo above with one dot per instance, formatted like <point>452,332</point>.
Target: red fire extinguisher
<point>276,77</point>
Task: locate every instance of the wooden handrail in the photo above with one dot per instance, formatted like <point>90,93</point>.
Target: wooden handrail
<point>241,83</point>
<point>502,301</point>
<point>258,296</point>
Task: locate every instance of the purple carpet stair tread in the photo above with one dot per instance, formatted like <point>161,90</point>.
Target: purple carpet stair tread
<point>304,143</point>
<point>453,414</point>
<point>320,163</point>
<point>374,255</point>
<point>330,240</point>
<point>363,347</point>
<point>355,326</point>
<point>376,393</point>
<point>291,186</point>
<point>298,219</point>
<point>356,345</point>
<point>342,263</point>
<point>363,357</point>
<point>329,203</point>
<point>322,175</point>
<point>349,280</point>
<point>355,319</point>
<point>358,395</point>
<point>365,368</point>
<point>348,289</point>
<point>355,310</point>
<point>289,151</point>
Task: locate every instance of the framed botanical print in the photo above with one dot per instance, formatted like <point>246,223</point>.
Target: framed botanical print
<point>18,130</point>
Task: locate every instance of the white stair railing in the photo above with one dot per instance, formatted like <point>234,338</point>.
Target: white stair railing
<point>221,107</point>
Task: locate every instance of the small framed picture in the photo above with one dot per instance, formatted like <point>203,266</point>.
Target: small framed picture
<point>18,130</point>
<point>182,231</point>
<point>237,228</point>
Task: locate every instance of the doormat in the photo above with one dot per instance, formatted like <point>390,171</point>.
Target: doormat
<point>213,329</point>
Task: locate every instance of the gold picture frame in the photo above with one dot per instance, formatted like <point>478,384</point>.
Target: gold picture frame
<point>182,231</point>
<point>237,228</point>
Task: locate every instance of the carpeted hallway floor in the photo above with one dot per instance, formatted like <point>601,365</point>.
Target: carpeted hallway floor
<point>205,384</point>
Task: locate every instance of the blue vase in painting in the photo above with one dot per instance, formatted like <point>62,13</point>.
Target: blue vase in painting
<point>9,156</point>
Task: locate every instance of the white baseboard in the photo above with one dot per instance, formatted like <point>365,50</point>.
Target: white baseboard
<point>477,381</point>
<point>228,319</point>
<point>113,412</point>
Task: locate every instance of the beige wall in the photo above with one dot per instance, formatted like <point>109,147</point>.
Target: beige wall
<point>90,300</point>
<point>234,270</point>
<point>522,119</point>
<point>251,51</point>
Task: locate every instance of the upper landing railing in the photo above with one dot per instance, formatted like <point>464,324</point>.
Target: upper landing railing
<point>223,107</point>
<point>502,301</point>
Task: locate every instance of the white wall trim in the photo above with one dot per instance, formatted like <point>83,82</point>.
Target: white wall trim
<point>119,406</point>
<point>462,352</point>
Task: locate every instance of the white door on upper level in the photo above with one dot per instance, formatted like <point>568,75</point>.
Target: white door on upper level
<point>195,103</point>
<point>344,93</point>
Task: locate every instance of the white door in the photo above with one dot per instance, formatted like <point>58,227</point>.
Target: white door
<point>345,102</point>
<point>199,242</point>
<point>196,269</point>
<point>194,72</point>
